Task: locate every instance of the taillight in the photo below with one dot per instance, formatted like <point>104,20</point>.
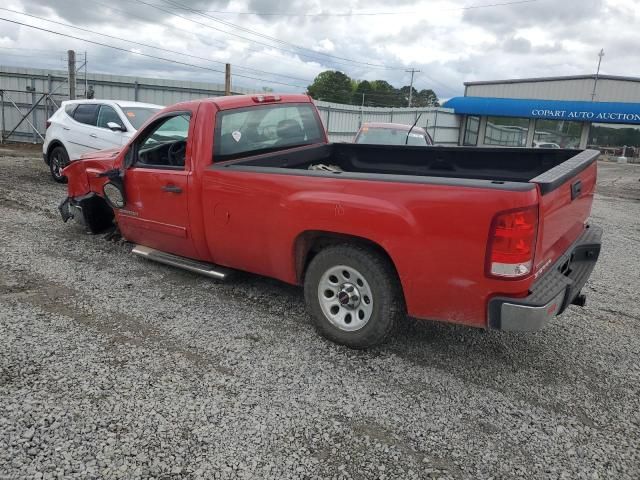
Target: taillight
<point>47,124</point>
<point>512,242</point>
<point>266,98</point>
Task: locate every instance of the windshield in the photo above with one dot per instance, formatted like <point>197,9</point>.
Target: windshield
<point>248,131</point>
<point>138,115</point>
<point>390,136</point>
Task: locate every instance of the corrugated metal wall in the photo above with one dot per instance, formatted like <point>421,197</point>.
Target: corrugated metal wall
<point>608,90</point>
<point>342,121</point>
<point>15,81</point>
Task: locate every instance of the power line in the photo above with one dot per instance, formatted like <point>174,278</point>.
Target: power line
<point>297,52</point>
<point>147,45</point>
<point>274,39</point>
<point>177,62</point>
<point>208,39</point>
<point>357,14</point>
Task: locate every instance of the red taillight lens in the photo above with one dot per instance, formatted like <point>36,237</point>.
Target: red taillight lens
<point>266,98</point>
<point>47,124</point>
<point>512,241</point>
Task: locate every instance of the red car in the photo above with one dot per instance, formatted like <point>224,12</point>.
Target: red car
<point>491,238</point>
<point>393,134</point>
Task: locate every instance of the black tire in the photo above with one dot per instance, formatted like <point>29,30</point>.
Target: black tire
<point>387,301</point>
<point>98,215</point>
<point>58,159</point>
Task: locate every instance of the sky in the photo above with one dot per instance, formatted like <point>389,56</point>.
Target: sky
<point>284,44</point>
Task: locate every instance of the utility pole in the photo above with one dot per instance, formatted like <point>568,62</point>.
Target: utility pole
<point>86,82</point>
<point>595,83</point>
<point>227,79</point>
<point>412,72</point>
<point>72,74</point>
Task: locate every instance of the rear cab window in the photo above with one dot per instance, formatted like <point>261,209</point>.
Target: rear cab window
<point>247,131</point>
<point>391,136</point>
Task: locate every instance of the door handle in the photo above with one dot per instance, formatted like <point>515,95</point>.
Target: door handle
<point>172,189</point>
<point>66,128</point>
<point>93,135</point>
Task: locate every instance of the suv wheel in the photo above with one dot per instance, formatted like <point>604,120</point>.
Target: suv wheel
<point>58,159</point>
<point>353,295</point>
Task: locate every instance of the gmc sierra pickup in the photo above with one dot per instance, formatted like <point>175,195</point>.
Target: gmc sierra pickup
<point>486,237</point>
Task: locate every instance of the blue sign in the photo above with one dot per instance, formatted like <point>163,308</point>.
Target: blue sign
<point>596,112</point>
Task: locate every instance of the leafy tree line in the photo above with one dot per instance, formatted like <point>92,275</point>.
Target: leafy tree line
<point>334,86</point>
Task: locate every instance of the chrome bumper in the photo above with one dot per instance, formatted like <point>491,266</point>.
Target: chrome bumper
<point>553,292</point>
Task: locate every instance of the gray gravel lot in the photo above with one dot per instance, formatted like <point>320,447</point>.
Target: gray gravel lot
<point>114,367</point>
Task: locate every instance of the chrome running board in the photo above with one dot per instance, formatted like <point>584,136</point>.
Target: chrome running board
<point>207,269</point>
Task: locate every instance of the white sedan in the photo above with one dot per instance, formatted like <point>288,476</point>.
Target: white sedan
<point>84,126</point>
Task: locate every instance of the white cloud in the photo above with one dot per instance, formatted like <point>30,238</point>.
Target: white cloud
<point>448,44</point>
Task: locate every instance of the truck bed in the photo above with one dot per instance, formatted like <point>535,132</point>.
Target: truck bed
<point>491,166</point>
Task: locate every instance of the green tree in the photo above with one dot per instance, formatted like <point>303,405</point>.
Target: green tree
<point>363,88</point>
<point>331,86</point>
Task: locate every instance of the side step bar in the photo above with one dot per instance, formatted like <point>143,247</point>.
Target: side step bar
<point>195,266</point>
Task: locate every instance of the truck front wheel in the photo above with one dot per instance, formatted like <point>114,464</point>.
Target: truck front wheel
<point>353,295</point>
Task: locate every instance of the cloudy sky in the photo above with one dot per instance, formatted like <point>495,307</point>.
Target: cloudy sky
<point>291,41</point>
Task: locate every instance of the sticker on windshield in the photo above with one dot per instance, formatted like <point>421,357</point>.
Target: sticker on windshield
<point>131,114</point>
<point>236,135</point>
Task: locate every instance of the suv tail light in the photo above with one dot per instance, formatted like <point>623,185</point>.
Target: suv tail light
<point>512,242</point>
<point>47,124</point>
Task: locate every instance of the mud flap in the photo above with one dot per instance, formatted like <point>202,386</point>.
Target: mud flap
<point>65,212</point>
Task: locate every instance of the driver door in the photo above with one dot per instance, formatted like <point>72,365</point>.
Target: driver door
<point>156,186</point>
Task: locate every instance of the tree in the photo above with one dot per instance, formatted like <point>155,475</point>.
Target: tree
<point>331,86</point>
<point>427,98</point>
<point>363,88</point>
<point>385,95</point>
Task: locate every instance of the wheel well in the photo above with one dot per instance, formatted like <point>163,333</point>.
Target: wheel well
<point>98,215</point>
<point>53,144</point>
<point>309,243</point>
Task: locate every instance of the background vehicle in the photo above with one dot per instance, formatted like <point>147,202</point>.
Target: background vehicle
<point>484,237</point>
<point>392,134</point>
<point>545,145</point>
<point>83,126</point>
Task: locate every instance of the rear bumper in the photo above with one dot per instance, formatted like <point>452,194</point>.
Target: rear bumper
<point>553,292</point>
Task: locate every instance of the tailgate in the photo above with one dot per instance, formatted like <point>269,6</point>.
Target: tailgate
<point>565,205</point>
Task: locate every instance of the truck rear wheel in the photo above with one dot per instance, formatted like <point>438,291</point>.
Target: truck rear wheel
<point>353,295</point>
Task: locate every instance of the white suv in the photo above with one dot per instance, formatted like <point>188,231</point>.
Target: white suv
<point>83,126</point>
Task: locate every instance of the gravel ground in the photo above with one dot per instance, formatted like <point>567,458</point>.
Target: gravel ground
<point>114,367</point>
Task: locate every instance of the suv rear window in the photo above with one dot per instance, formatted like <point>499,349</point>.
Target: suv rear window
<point>86,113</point>
<point>69,109</point>
<point>253,130</point>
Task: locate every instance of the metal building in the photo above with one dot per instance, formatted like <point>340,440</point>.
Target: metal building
<point>553,112</point>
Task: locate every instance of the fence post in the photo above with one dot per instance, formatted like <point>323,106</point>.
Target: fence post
<point>34,114</point>
<point>48,106</point>
<point>391,121</point>
<point>435,127</point>
<point>2,121</point>
<point>136,86</point>
<point>328,118</point>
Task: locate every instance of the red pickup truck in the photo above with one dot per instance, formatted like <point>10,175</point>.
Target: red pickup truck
<point>486,237</point>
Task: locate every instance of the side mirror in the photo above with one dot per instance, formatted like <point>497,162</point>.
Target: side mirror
<point>116,127</point>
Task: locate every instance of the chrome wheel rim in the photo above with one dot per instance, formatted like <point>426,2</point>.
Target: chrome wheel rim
<point>57,165</point>
<point>345,298</point>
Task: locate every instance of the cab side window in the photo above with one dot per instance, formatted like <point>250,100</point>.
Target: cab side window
<point>164,144</point>
<point>108,114</point>
<point>86,113</point>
